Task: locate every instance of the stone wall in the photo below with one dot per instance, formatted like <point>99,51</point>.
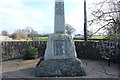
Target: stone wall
<point>95,50</point>
<point>17,49</point>
<point>87,50</point>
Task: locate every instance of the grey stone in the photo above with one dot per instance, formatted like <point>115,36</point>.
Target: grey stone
<point>60,46</point>
<point>92,50</point>
<point>60,55</point>
<point>60,68</point>
<point>59,27</point>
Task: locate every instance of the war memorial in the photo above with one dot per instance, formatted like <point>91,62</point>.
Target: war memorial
<point>60,55</point>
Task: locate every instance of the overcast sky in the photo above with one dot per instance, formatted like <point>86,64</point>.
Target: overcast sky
<point>39,14</point>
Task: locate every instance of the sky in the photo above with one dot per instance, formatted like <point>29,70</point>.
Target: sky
<point>39,15</point>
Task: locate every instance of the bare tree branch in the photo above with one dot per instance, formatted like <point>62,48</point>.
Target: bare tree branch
<point>101,28</point>
<point>110,19</point>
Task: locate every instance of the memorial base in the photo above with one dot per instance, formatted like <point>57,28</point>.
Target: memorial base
<point>60,68</point>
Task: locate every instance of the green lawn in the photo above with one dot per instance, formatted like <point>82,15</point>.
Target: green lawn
<point>46,38</point>
<point>98,37</point>
<point>42,38</point>
<point>93,37</point>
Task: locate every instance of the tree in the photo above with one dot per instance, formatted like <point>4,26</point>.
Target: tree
<point>108,19</point>
<point>32,34</point>
<point>20,34</point>
<point>69,29</point>
<point>90,33</point>
<point>5,33</point>
<point>27,33</point>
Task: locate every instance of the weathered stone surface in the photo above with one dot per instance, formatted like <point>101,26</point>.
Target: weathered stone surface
<point>15,51</point>
<point>60,68</point>
<point>59,25</point>
<point>60,46</point>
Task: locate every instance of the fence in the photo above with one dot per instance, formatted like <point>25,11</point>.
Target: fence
<point>87,50</point>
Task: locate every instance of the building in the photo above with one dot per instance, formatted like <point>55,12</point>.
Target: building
<point>4,37</point>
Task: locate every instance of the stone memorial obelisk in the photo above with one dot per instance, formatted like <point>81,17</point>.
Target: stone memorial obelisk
<point>60,56</point>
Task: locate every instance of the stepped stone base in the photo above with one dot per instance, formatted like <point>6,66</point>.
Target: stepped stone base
<point>60,68</point>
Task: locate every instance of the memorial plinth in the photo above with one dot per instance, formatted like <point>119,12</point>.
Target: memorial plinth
<point>60,57</point>
<point>60,46</point>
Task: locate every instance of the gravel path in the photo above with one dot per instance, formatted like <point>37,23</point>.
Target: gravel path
<point>26,69</point>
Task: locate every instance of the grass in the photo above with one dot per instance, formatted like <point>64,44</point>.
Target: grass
<point>93,37</point>
<point>42,38</point>
<point>98,37</point>
<point>46,38</point>
<point>78,40</point>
